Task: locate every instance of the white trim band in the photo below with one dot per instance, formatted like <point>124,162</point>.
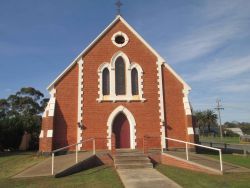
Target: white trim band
<point>80,104</point>
<point>50,108</point>
<point>161,105</point>
<point>49,133</point>
<point>186,103</point>
<point>120,33</point>
<point>41,134</point>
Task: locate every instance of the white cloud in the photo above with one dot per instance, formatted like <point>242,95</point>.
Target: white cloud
<point>235,87</point>
<point>222,69</point>
<point>201,42</point>
<point>220,23</point>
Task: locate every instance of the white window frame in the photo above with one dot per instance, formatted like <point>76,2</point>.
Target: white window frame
<point>120,33</point>
<point>128,67</point>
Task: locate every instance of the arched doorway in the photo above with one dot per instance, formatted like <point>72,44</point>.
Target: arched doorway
<point>121,129</point>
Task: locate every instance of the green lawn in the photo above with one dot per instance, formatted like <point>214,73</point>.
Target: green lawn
<point>235,159</point>
<point>12,163</point>
<point>191,179</point>
<point>103,176</point>
<point>232,140</point>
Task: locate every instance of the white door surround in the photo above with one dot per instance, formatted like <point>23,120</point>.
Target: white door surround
<point>132,125</point>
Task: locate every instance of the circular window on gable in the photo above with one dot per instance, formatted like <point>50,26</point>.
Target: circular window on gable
<point>120,39</point>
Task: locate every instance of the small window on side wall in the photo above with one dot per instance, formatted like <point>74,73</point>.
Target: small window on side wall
<point>105,82</point>
<point>134,82</point>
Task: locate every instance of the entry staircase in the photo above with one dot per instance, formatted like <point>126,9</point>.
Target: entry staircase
<point>131,159</point>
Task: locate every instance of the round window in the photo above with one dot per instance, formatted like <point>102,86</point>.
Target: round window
<point>120,39</point>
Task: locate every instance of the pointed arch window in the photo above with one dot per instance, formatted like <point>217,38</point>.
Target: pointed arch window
<point>134,81</point>
<point>105,82</point>
<point>120,81</point>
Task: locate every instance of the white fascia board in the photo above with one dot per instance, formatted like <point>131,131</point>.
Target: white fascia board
<point>186,86</point>
<point>142,40</point>
<point>83,52</point>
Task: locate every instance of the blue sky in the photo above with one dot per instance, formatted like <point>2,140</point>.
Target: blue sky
<point>207,42</point>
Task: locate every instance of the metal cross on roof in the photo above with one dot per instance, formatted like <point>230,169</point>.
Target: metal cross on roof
<point>118,5</point>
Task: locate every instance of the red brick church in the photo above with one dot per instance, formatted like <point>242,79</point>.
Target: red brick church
<point>118,85</point>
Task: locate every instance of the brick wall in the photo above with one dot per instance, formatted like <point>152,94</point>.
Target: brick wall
<point>65,126</point>
<point>176,119</point>
<point>45,143</point>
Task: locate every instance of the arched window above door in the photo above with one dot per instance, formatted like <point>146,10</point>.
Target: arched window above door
<point>120,80</point>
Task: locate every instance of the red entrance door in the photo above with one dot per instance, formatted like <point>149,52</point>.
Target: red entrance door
<point>122,131</point>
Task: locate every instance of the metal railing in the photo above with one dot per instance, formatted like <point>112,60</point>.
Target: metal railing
<point>76,151</point>
<point>207,147</point>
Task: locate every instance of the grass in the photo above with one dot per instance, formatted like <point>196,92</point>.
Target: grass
<point>229,140</point>
<point>188,178</point>
<point>12,163</point>
<point>234,159</point>
<point>103,176</point>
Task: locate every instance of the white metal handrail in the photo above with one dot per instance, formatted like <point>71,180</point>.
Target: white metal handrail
<point>63,148</point>
<point>190,143</point>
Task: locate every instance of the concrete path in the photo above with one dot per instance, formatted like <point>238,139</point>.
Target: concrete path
<point>209,162</point>
<point>62,162</point>
<point>145,178</point>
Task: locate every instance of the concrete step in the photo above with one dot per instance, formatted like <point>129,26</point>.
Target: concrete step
<point>127,159</point>
<point>128,151</point>
<point>131,159</point>
<point>129,155</point>
<point>133,166</point>
<point>135,161</point>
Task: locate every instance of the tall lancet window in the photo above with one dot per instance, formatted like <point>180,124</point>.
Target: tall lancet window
<point>134,82</point>
<point>105,82</point>
<point>120,86</point>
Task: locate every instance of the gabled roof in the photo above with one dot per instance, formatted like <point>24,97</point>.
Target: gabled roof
<point>103,33</point>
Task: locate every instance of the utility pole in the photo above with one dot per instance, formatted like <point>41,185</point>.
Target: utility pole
<point>219,108</point>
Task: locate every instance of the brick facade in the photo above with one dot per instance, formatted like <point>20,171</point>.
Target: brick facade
<point>45,143</point>
<point>65,126</point>
<point>95,114</point>
<point>176,119</point>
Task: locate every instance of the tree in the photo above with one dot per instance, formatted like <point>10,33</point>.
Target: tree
<point>210,119</point>
<point>21,112</point>
<point>3,108</point>
<point>205,119</point>
<point>200,120</point>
